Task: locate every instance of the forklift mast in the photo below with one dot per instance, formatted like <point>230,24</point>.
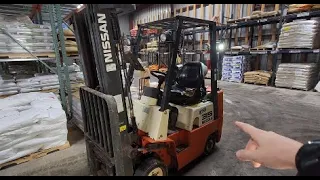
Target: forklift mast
<point>109,135</point>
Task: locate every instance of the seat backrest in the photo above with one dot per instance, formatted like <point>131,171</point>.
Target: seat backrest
<point>190,75</point>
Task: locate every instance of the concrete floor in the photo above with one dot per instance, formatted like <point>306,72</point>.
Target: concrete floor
<point>291,113</point>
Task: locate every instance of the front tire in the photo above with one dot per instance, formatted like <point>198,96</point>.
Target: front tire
<point>151,167</point>
<point>210,145</point>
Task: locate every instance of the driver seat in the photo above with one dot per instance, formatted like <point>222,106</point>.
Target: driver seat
<point>188,88</point>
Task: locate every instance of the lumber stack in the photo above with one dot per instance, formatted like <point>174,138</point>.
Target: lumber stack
<point>257,77</point>
<point>261,14</point>
<point>293,8</point>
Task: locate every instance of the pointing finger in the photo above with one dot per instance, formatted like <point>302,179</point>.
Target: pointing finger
<point>250,130</point>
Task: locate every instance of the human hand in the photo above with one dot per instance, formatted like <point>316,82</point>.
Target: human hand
<point>268,149</point>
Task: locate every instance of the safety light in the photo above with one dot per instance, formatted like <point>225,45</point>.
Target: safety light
<point>163,37</point>
<point>166,36</point>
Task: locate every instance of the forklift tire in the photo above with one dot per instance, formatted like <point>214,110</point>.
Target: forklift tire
<point>210,145</point>
<point>151,167</point>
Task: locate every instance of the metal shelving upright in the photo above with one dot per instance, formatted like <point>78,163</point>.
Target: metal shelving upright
<point>63,62</point>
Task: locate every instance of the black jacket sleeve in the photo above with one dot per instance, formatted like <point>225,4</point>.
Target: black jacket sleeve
<point>308,159</point>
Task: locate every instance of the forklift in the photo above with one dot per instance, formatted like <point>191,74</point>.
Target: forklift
<point>167,128</point>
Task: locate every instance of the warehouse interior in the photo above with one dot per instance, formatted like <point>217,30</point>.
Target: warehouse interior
<point>154,89</point>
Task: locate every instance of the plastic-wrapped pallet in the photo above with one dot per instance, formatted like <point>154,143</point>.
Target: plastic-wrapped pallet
<point>317,88</point>
<point>38,83</point>
<point>76,112</point>
<point>226,68</point>
<point>300,34</point>
<point>8,87</point>
<point>36,38</point>
<point>233,68</point>
<point>48,82</point>
<point>297,75</point>
<point>30,122</point>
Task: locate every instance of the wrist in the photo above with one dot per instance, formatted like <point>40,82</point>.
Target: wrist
<point>295,155</point>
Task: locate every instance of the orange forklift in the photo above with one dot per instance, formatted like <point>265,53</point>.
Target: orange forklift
<point>167,128</point>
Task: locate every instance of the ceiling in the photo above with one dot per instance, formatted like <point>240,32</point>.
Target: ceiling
<point>66,9</point>
<point>26,9</point>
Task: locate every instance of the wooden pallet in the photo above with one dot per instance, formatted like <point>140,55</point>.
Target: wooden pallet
<point>292,88</point>
<point>5,96</point>
<point>255,83</point>
<point>72,54</point>
<point>251,18</point>
<point>294,48</point>
<point>238,20</point>
<point>25,55</point>
<point>299,11</point>
<point>260,49</point>
<point>268,15</point>
<point>35,155</point>
<point>263,16</point>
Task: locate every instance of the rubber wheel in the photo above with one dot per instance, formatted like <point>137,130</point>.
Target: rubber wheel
<point>210,145</point>
<point>151,167</point>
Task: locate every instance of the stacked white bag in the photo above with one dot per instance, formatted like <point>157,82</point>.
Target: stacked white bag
<point>30,122</point>
<point>36,38</point>
<point>8,87</point>
<point>297,75</point>
<point>317,88</point>
<point>76,112</point>
<point>38,83</point>
<point>300,34</point>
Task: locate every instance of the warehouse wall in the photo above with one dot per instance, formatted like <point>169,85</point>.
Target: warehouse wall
<point>161,11</point>
<point>124,24</point>
<point>152,13</point>
<point>158,11</point>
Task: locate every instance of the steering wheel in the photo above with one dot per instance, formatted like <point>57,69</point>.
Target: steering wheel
<point>158,74</point>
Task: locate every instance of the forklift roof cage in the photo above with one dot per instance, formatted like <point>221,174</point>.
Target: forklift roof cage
<point>177,24</point>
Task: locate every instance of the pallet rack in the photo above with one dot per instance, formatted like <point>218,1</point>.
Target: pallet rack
<point>274,53</point>
<point>59,56</point>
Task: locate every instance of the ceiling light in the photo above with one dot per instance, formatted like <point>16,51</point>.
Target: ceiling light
<point>79,6</point>
<point>220,47</point>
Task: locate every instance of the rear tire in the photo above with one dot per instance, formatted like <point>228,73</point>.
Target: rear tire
<point>151,167</point>
<point>210,145</point>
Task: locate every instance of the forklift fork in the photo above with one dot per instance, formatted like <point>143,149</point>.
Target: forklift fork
<point>107,140</point>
